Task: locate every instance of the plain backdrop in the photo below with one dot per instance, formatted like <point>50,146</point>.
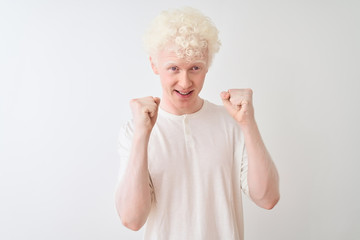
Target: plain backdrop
<point>69,68</point>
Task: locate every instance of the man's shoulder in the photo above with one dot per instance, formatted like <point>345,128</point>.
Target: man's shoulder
<point>217,110</point>
<point>214,107</point>
<point>218,114</point>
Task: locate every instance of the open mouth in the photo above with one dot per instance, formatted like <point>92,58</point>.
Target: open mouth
<point>184,93</point>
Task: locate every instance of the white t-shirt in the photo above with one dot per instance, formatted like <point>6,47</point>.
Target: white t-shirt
<point>198,165</point>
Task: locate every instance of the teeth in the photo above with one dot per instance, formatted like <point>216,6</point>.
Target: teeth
<point>184,93</point>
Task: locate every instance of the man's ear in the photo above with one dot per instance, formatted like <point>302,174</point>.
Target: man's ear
<point>153,66</point>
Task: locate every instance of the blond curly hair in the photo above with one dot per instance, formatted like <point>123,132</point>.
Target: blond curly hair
<point>193,34</point>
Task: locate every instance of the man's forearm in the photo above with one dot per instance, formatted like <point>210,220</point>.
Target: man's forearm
<point>263,180</point>
<point>133,196</point>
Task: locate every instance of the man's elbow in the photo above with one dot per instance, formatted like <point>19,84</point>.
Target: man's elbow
<point>266,201</point>
<point>130,221</point>
<point>132,225</point>
<point>271,203</point>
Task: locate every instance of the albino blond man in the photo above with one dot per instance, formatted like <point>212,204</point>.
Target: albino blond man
<point>185,162</point>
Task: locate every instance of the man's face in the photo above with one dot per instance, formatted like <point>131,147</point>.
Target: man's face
<point>181,82</point>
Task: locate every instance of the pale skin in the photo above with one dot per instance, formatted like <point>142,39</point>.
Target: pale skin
<point>182,82</point>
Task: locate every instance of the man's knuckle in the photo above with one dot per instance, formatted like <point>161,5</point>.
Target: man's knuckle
<point>132,102</point>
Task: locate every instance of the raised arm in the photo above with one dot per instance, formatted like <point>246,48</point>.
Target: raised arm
<point>134,194</point>
<point>263,179</point>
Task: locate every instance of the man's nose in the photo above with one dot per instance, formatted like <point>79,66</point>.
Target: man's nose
<point>184,80</point>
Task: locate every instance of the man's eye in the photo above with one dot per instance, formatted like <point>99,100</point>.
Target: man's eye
<point>195,68</point>
<point>173,68</point>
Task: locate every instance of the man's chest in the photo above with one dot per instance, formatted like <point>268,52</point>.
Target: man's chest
<point>189,150</point>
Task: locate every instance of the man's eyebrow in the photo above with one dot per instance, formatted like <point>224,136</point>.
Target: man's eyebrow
<point>169,63</point>
<point>199,61</point>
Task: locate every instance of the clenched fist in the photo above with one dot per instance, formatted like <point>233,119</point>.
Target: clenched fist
<point>238,102</point>
<point>145,111</point>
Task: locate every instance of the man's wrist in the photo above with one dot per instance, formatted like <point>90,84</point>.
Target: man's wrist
<point>142,134</point>
<point>249,127</point>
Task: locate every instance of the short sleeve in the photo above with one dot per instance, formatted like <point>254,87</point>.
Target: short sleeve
<point>242,159</point>
<point>124,146</point>
<point>244,171</point>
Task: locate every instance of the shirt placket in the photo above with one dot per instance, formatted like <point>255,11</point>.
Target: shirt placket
<point>187,133</point>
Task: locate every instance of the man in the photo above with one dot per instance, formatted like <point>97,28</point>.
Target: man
<point>185,161</point>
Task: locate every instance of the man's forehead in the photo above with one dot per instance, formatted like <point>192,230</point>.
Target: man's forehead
<point>180,61</point>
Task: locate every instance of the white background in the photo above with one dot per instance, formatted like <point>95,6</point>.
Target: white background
<point>69,68</point>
